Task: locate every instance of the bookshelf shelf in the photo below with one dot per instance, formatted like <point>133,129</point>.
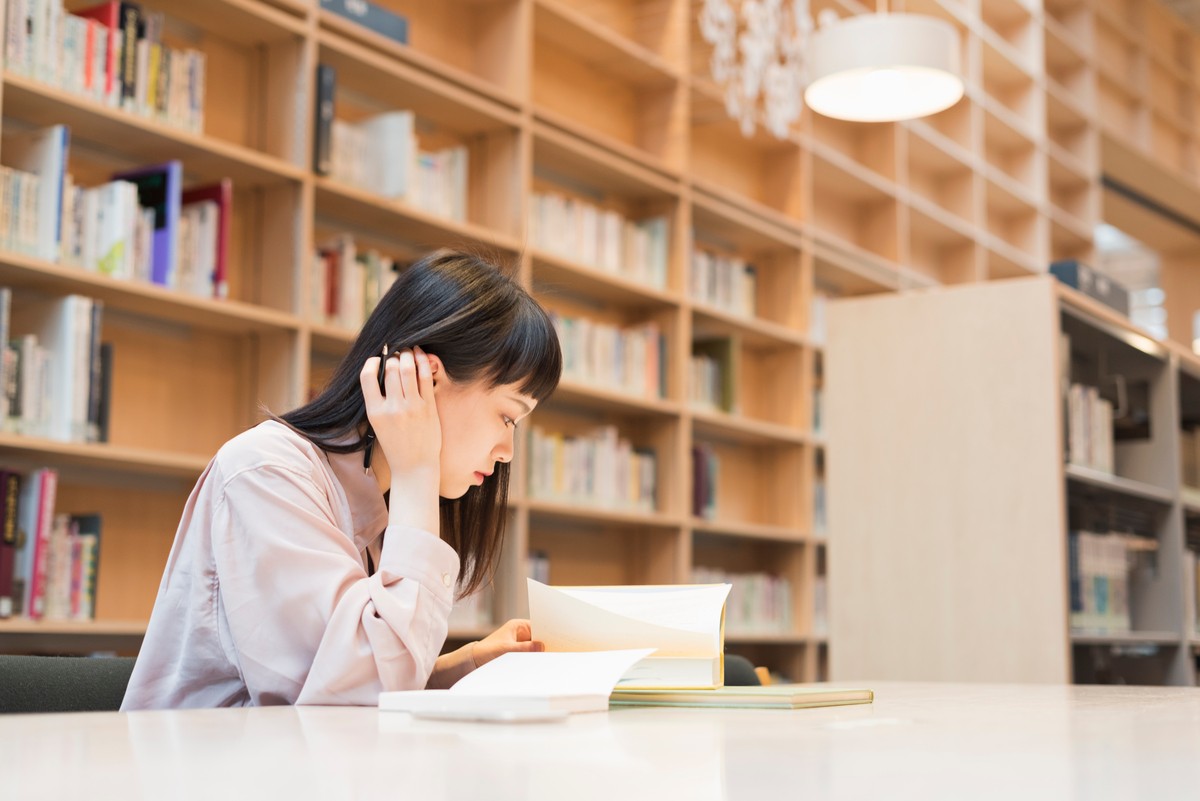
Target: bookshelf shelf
<point>347,206</point>
<point>859,212</point>
<point>1191,500</point>
<point>1163,638</point>
<point>746,531</point>
<point>143,298</point>
<point>127,461</point>
<point>601,46</point>
<point>142,139</point>
<point>549,512</point>
<point>711,321</point>
<point>555,275</point>
<point>1118,485</point>
<point>732,428</point>
<point>938,178</point>
<point>244,22</point>
<point>472,44</point>
<point>582,395</point>
<point>89,628</point>
<point>940,245</point>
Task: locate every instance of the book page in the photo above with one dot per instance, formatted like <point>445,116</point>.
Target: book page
<point>642,618</point>
<point>548,674</point>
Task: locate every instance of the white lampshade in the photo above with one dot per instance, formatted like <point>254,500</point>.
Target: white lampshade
<point>883,68</point>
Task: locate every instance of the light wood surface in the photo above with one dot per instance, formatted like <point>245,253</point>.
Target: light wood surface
<point>929,741</point>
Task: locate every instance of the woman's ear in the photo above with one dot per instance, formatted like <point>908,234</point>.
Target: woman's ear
<point>435,366</point>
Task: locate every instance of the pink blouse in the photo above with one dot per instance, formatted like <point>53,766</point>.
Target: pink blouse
<point>266,600</point>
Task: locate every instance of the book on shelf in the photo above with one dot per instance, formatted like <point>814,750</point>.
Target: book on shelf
<point>35,515</point>
<point>727,282</point>
<point>10,492</point>
<point>58,386</point>
<point>706,469</point>
<point>715,369</point>
<point>1090,429</point>
<point>1105,571</point>
<point>371,16</point>
<point>758,603</point>
<point>631,359</point>
<point>160,191</point>
<point>601,238</point>
<point>601,468</point>
<point>683,624</point>
<point>771,696</point>
<point>348,283</point>
<point>112,53</point>
<point>42,152</point>
<point>207,211</point>
<point>323,117</point>
<point>523,686</point>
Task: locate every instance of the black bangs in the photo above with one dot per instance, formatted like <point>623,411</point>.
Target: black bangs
<point>529,355</point>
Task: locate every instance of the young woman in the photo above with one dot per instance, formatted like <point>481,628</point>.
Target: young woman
<point>318,555</point>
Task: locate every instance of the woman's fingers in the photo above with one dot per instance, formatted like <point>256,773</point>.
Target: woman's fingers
<point>368,378</point>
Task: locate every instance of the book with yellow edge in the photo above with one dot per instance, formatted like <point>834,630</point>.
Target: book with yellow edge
<point>684,624</point>
<point>773,696</point>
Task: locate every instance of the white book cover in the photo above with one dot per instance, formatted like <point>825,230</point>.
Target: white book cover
<point>390,142</point>
<point>56,322</point>
<point>42,152</point>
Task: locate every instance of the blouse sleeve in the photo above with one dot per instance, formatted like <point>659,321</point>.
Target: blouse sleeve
<point>307,624</point>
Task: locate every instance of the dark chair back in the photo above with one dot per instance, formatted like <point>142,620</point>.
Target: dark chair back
<point>63,683</point>
<point>739,672</point>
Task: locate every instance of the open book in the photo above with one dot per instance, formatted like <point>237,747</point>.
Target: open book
<point>684,624</point>
<point>522,687</point>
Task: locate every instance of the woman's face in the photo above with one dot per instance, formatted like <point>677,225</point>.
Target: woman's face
<point>478,430</point>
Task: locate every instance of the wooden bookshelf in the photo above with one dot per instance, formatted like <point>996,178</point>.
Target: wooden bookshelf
<point>956,563</point>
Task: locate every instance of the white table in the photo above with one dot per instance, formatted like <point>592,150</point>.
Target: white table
<point>917,741</point>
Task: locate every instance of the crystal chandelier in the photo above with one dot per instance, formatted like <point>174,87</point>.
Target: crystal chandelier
<point>770,59</point>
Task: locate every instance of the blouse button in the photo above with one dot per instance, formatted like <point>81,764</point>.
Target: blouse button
<point>446,580</point>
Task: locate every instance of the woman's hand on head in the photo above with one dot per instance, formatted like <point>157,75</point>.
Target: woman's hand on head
<point>405,419</point>
<point>515,635</point>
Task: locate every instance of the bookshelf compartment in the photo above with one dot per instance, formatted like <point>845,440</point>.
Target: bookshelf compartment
<point>1168,38</point>
<point>1150,663</point>
<point>956,124</point>
<point>1073,194</point>
<point>628,35</point>
<point>1189,435</point>
<point>1171,144</point>
<point>1069,241</point>
<point>748,481</point>
<point>585,551</point>
<point>940,249</point>
<point>771,583</point>
<point>1129,372</point>
<point>1118,56</point>
<point>1013,87</point>
<point>575,450</point>
<point>768,172</point>
<point>1067,67</point>
<point>861,214</point>
<point>870,146</point>
<point>1073,17</point>
<point>776,280</point>
<point>481,44</point>
<point>1169,95</point>
<point>939,178</point>
<point>1008,150</point>
<point>610,222</point>
<point>1120,112</point>
<point>1070,133</point>
<point>1015,225</point>
<point>1013,22</point>
<point>639,114</point>
<point>137,525</point>
<point>748,377</point>
<point>458,153</point>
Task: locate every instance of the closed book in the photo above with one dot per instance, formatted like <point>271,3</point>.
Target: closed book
<point>42,152</point>
<point>10,490</point>
<point>772,696</point>
<point>160,189</point>
<point>371,16</point>
<point>220,193</point>
<point>323,120</point>
<point>109,16</point>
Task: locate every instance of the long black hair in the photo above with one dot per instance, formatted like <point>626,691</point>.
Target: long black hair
<point>483,326</point>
